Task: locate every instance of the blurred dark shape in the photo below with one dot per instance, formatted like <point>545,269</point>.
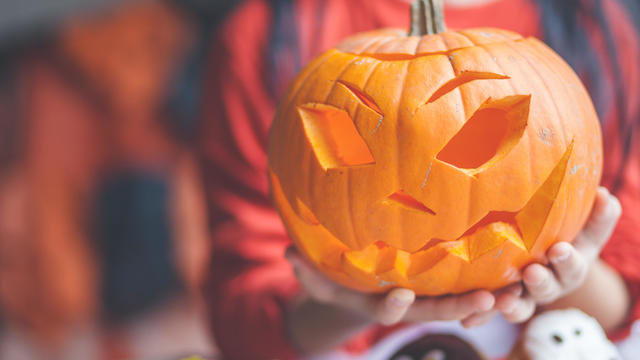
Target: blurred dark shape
<point>23,19</point>
<point>211,11</point>
<point>565,25</point>
<point>86,90</point>
<point>9,126</point>
<point>184,97</point>
<point>438,346</point>
<point>284,47</point>
<point>134,246</point>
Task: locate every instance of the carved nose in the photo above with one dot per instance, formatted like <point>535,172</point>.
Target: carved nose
<point>406,201</point>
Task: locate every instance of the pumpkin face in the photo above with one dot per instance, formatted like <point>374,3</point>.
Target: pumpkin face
<point>441,163</point>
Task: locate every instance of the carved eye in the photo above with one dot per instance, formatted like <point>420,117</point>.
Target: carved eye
<point>333,134</point>
<point>334,137</point>
<point>488,136</point>
<point>463,78</point>
<point>365,99</point>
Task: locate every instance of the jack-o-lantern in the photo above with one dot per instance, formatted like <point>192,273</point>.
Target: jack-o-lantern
<point>441,161</point>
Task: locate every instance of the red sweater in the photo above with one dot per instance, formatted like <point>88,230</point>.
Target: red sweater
<point>250,283</point>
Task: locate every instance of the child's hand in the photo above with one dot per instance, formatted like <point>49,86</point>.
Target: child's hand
<point>390,308</point>
<point>569,265</point>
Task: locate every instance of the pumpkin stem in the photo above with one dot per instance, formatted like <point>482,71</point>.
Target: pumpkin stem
<point>427,18</point>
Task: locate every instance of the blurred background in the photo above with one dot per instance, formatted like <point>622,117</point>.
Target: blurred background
<point>103,236</point>
<point>104,239</point>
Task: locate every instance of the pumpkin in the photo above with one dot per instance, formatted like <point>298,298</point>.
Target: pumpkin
<point>440,161</point>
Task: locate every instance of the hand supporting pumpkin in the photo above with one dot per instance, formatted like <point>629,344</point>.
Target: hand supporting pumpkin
<point>330,313</point>
<point>573,275</point>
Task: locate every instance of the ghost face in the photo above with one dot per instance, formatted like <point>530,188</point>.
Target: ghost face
<point>567,335</point>
<point>400,161</point>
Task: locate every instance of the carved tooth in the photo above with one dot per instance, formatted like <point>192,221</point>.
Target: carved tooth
<point>392,266</point>
<point>532,218</point>
<point>492,236</point>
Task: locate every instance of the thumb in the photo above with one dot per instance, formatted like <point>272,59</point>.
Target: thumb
<point>602,221</point>
<point>392,308</point>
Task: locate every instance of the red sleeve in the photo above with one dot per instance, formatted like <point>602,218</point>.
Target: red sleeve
<point>623,249</point>
<point>622,252</point>
<point>249,283</point>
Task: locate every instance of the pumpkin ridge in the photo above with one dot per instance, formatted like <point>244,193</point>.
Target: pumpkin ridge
<point>556,60</point>
<point>377,45</point>
<point>538,48</point>
<point>398,224</point>
<point>493,57</point>
<point>469,38</point>
<point>350,202</point>
<point>546,85</point>
<point>351,223</point>
<point>311,151</point>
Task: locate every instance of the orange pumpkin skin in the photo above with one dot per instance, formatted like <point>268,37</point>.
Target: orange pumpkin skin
<point>442,163</point>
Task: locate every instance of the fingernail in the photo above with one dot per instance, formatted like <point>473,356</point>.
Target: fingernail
<point>536,281</point>
<point>399,302</point>
<point>510,309</point>
<point>560,258</point>
<point>562,252</point>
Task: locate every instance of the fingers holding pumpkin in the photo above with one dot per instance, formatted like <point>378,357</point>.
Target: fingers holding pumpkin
<point>478,319</point>
<point>397,305</point>
<point>569,266</point>
<point>541,284</point>
<point>387,310</point>
<point>513,291</point>
<point>394,306</point>
<point>604,216</point>
<point>515,307</point>
<point>453,307</point>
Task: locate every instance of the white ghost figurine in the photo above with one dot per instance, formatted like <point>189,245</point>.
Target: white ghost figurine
<point>564,335</point>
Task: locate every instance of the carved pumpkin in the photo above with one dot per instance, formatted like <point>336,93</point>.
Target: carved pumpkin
<point>442,162</point>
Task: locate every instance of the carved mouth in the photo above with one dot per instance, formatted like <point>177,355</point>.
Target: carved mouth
<point>499,233</point>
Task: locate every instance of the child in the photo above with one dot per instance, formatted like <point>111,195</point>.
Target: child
<point>255,301</point>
